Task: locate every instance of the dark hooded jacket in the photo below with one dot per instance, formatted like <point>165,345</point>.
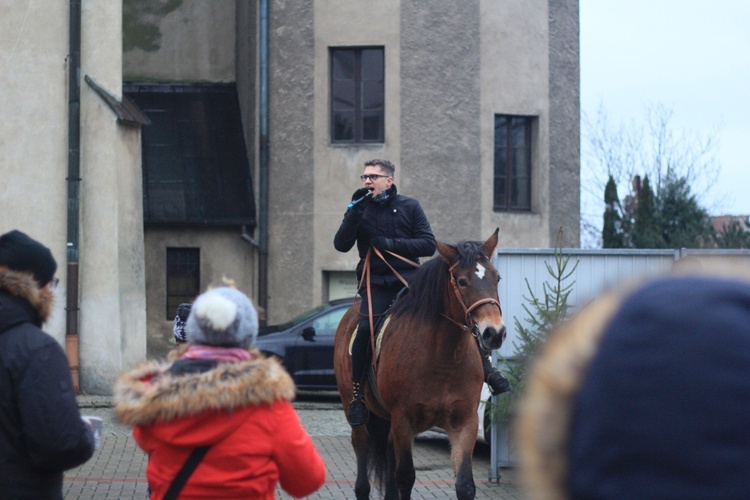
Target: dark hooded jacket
<point>397,217</point>
<point>41,431</point>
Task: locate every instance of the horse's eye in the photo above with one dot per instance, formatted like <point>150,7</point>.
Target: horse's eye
<point>498,278</point>
<point>463,282</point>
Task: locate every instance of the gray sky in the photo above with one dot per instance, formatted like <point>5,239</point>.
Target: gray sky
<point>691,56</point>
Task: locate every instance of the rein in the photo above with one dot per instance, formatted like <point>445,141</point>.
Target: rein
<point>469,324</point>
<point>366,278</point>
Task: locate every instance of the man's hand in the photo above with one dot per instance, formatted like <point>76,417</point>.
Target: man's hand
<point>359,193</point>
<point>383,243</point>
<point>356,206</point>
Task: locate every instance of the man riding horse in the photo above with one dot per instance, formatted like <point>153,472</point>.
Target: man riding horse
<point>380,218</point>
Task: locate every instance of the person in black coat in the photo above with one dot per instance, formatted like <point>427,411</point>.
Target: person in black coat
<point>379,217</point>
<point>41,430</point>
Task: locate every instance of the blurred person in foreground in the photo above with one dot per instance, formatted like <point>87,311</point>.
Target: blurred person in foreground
<point>219,414</point>
<point>41,430</point>
<point>645,393</point>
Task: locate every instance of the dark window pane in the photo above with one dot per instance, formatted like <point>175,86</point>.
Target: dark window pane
<point>372,126</point>
<point>501,131</point>
<point>343,95</point>
<point>522,194</point>
<point>343,126</point>
<point>500,193</point>
<point>372,94</point>
<point>195,164</point>
<point>512,163</point>
<point>372,64</point>
<point>501,162</point>
<point>519,133</point>
<point>357,85</point>
<point>343,63</point>
<point>520,163</point>
<point>183,277</point>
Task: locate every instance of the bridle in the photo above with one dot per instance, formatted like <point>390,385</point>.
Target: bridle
<point>469,324</point>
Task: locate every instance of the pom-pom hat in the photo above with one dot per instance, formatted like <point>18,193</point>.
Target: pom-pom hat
<point>222,317</point>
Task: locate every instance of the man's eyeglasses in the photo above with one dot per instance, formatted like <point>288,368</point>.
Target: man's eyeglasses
<point>371,177</point>
<point>55,281</point>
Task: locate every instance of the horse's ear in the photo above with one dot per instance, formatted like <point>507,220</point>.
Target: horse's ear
<point>447,252</point>
<point>489,246</point>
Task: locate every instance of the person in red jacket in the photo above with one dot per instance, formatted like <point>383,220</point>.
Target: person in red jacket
<point>221,409</point>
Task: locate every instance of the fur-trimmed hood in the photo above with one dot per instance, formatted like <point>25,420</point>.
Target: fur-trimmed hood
<point>644,393</point>
<point>148,393</point>
<point>22,285</point>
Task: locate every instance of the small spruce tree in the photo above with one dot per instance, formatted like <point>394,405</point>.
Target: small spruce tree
<point>542,315</point>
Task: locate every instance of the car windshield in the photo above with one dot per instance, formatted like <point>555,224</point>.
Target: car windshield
<point>296,321</point>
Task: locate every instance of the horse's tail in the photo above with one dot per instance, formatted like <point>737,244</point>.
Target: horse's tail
<point>377,442</point>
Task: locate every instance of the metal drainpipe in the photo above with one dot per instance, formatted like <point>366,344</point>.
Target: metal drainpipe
<point>263,158</point>
<point>74,142</point>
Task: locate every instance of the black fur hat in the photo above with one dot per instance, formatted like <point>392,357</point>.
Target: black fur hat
<point>20,252</point>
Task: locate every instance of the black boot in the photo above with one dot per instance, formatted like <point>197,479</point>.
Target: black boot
<point>358,412</point>
<point>495,379</point>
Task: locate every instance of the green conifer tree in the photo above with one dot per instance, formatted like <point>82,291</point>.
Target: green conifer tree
<point>612,233</point>
<point>646,230</point>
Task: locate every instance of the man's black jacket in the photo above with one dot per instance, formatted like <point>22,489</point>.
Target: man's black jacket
<point>400,218</point>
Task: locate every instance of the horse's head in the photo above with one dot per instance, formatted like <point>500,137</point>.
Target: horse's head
<point>474,280</point>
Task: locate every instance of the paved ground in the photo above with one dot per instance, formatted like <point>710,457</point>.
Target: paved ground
<point>117,469</point>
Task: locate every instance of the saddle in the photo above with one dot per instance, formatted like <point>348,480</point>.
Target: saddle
<point>380,325</point>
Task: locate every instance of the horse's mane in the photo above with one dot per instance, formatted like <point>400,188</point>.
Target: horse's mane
<point>427,287</point>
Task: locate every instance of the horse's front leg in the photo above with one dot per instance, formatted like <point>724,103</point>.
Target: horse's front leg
<point>359,443</point>
<point>462,447</point>
<point>403,442</point>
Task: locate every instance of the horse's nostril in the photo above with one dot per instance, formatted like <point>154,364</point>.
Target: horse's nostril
<point>503,332</point>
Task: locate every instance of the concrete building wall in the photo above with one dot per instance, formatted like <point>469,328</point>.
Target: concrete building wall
<point>292,167</point>
<point>565,121</point>
<point>450,67</point>
<point>514,81</point>
<point>193,42</point>
<point>440,102</point>
<point>223,254</point>
<point>34,162</point>
<point>33,131</point>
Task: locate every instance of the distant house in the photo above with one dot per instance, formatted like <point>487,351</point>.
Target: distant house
<point>720,222</point>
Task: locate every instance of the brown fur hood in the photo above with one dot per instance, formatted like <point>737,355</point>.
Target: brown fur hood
<point>22,285</point>
<point>147,393</point>
<point>546,410</point>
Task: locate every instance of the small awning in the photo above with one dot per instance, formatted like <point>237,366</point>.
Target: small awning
<point>195,165</point>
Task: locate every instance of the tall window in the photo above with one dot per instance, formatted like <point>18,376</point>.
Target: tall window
<point>357,95</point>
<point>183,277</point>
<point>512,185</point>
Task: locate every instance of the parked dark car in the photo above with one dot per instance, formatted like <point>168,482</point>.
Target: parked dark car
<point>305,345</point>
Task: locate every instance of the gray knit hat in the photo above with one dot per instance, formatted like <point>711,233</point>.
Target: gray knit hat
<point>222,317</point>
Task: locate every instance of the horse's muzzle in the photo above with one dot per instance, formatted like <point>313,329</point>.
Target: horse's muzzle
<point>492,338</point>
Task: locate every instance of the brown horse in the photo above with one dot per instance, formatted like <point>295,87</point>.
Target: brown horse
<point>429,371</point>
